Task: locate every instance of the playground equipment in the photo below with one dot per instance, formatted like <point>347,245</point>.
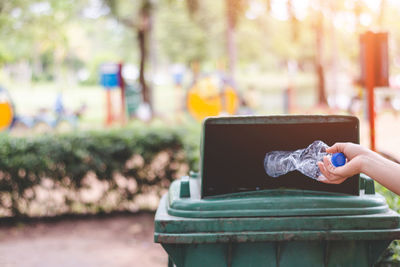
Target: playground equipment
<point>6,110</point>
<point>374,71</point>
<point>110,74</point>
<point>60,115</point>
<point>114,76</point>
<point>52,119</point>
<point>211,95</point>
<point>133,98</point>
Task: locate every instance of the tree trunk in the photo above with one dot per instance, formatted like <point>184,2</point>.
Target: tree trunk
<point>143,32</point>
<point>334,84</point>
<point>319,69</point>
<point>142,36</point>
<point>230,39</point>
<point>37,65</point>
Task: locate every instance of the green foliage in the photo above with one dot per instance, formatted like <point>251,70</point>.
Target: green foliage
<point>30,28</point>
<point>392,254</point>
<point>392,199</point>
<point>49,35</point>
<point>127,163</point>
<point>390,257</point>
<point>181,39</point>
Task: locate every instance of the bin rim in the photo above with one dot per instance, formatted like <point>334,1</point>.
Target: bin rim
<point>270,202</point>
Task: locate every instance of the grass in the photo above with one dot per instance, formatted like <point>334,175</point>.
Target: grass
<point>29,98</point>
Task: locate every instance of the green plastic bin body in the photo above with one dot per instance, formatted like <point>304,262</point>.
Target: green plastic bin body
<point>239,230</point>
<point>276,226</point>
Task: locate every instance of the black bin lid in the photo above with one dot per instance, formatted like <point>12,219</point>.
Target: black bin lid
<point>233,150</point>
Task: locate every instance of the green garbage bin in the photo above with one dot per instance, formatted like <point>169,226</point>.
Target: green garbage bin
<point>246,218</point>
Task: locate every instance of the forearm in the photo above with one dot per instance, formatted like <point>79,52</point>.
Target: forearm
<point>382,170</point>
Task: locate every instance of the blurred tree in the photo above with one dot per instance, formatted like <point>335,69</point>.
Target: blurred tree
<point>34,32</point>
<point>293,21</point>
<point>179,37</point>
<point>381,13</point>
<point>319,66</point>
<point>58,36</point>
<point>234,10</point>
<point>137,17</point>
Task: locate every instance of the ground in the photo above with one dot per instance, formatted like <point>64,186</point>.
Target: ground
<point>115,241</point>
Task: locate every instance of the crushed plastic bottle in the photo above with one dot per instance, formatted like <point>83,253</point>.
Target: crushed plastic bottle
<point>277,163</point>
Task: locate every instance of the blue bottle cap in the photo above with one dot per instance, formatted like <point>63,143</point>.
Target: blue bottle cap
<point>338,159</point>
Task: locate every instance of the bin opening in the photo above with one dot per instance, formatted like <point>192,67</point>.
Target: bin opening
<point>233,151</point>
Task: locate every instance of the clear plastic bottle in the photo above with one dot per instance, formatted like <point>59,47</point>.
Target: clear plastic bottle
<point>277,163</point>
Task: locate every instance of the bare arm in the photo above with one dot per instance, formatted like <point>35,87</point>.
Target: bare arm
<point>382,170</point>
<point>360,159</point>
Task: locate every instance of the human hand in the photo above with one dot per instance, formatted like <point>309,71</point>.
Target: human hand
<point>336,175</point>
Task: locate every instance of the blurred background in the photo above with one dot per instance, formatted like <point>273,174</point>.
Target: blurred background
<point>101,103</point>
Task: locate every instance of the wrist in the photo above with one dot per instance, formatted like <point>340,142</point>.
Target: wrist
<point>362,168</point>
<point>366,161</point>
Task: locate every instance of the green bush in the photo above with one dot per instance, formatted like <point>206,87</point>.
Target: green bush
<point>391,257</point>
<point>53,174</point>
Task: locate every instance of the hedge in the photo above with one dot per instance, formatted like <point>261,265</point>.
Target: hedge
<point>90,172</point>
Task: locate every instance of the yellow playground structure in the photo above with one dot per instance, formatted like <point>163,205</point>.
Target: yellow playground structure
<point>6,110</point>
<point>210,96</point>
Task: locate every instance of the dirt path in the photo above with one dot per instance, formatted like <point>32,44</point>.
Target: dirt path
<point>117,241</point>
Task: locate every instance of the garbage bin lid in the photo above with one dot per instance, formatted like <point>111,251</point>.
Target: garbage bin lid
<point>270,202</point>
<point>215,220</point>
<point>271,215</point>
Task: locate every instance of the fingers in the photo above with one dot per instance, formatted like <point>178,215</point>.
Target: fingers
<point>328,165</point>
<point>323,170</point>
<point>351,168</point>
<point>329,174</point>
<point>338,147</point>
<point>326,173</point>
<point>326,181</point>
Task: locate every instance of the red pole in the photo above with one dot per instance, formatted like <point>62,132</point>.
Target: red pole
<point>122,86</point>
<point>109,115</point>
<point>370,84</point>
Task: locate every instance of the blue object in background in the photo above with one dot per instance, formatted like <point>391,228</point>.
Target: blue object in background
<point>59,105</point>
<point>109,75</point>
